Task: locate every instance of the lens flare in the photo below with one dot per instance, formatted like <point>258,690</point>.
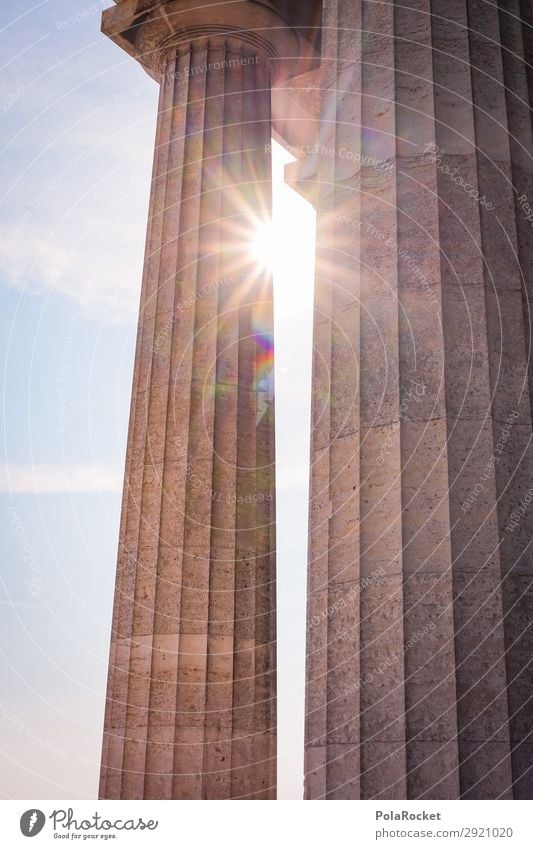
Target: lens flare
<point>263,247</point>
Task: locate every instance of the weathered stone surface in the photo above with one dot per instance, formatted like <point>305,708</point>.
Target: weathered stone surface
<point>421,461</point>
<point>191,707</point>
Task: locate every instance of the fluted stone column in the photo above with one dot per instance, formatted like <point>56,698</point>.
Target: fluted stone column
<point>420,643</point>
<point>190,709</point>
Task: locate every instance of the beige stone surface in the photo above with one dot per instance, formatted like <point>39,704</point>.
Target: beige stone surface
<point>191,710</point>
<point>421,438</point>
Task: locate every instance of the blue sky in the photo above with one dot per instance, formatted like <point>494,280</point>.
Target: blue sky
<point>78,121</point>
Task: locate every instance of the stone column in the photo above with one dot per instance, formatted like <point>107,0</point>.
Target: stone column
<point>420,587</point>
<point>190,710</point>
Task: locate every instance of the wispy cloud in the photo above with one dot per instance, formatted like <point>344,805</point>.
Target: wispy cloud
<point>75,198</point>
<point>47,478</point>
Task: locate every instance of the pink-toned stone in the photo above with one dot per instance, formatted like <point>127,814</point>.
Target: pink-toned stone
<point>191,708</point>
<point>421,429</point>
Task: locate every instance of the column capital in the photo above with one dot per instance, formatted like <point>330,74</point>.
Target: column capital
<point>146,29</point>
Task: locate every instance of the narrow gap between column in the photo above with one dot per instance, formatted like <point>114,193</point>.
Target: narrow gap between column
<point>292,253</point>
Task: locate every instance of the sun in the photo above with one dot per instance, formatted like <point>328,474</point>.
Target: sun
<point>264,246</point>
<point>284,245</point>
